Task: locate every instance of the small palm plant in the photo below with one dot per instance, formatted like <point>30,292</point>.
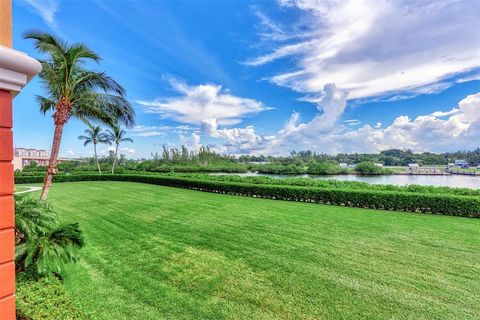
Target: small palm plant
<point>117,135</point>
<point>75,91</point>
<point>94,135</point>
<point>42,244</point>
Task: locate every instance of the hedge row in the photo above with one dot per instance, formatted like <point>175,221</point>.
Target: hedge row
<point>331,183</point>
<point>466,206</point>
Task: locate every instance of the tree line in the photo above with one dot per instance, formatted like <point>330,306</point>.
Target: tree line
<point>391,157</point>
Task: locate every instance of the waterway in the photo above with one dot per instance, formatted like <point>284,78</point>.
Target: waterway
<point>454,181</point>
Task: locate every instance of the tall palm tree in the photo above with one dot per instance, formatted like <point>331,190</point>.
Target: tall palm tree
<point>94,135</point>
<point>75,91</point>
<point>117,135</point>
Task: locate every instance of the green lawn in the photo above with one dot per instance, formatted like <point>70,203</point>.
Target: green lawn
<point>162,253</point>
<point>398,169</point>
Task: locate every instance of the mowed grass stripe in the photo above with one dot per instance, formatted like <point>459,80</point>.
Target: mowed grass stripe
<point>155,252</point>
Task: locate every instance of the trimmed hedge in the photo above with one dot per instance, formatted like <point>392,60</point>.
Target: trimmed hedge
<point>331,183</point>
<point>455,205</point>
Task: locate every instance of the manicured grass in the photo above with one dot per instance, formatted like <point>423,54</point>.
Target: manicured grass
<point>397,169</point>
<point>155,252</point>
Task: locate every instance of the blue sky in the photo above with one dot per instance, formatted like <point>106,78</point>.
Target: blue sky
<point>268,77</point>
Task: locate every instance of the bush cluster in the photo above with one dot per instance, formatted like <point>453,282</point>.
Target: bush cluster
<point>446,204</point>
<point>370,168</point>
<point>44,298</point>
<point>325,167</point>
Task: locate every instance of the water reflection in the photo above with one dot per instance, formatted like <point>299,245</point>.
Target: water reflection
<point>454,181</point>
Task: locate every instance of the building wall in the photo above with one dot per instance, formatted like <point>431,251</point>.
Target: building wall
<point>6,23</point>
<point>7,235</point>
<point>7,220</point>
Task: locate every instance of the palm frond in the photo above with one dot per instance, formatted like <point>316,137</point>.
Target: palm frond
<point>126,140</point>
<point>92,80</point>
<point>46,104</point>
<point>80,51</point>
<point>47,43</point>
<point>106,108</point>
<point>33,216</point>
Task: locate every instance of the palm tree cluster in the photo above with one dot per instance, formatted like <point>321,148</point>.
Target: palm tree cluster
<point>75,91</point>
<point>42,244</point>
<point>95,135</point>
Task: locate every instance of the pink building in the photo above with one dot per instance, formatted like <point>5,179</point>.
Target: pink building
<point>23,157</point>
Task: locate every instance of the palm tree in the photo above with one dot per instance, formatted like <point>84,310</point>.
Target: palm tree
<point>94,135</point>
<point>74,91</point>
<point>43,245</point>
<point>117,135</point>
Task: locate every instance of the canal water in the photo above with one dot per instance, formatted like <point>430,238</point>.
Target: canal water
<point>454,181</point>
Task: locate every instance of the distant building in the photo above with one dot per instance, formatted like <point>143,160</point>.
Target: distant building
<point>378,164</point>
<point>461,164</point>
<point>23,157</point>
<point>343,165</point>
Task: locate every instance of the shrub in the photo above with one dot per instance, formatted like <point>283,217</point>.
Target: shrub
<point>457,205</point>
<point>45,299</point>
<point>324,167</point>
<point>370,168</point>
<point>43,245</point>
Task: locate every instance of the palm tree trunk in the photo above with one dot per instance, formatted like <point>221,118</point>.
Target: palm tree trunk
<point>96,158</point>
<point>115,158</point>
<point>52,163</point>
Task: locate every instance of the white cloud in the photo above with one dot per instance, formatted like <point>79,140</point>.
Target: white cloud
<point>213,110</point>
<point>46,9</point>
<point>236,140</point>
<point>377,48</point>
<point>439,131</point>
<point>331,102</point>
<point>243,140</point>
<point>439,114</point>
<point>192,142</point>
<point>152,131</point>
<point>196,104</point>
<point>149,134</point>
<point>129,151</point>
